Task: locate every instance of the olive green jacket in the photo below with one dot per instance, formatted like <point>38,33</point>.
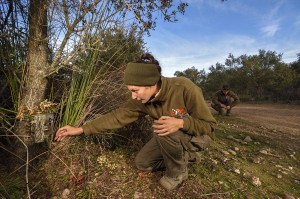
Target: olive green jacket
<point>178,97</point>
<point>230,99</point>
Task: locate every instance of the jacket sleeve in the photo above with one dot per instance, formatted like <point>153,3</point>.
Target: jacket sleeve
<point>126,114</point>
<point>200,120</point>
<point>215,99</point>
<point>235,97</point>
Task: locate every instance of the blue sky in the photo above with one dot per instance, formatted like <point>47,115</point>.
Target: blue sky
<point>210,30</point>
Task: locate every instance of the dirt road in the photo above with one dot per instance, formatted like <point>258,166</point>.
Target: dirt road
<point>280,123</point>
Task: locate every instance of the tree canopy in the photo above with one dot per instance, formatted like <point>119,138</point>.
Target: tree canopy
<point>263,76</point>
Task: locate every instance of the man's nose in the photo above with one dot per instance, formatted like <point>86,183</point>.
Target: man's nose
<point>133,95</point>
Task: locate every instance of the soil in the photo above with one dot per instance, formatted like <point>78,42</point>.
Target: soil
<point>277,122</point>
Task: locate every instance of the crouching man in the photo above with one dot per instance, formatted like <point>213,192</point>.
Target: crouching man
<point>183,123</point>
<point>224,100</point>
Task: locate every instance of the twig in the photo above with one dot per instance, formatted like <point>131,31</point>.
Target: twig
<point>136,16</point>
<point>23,136</point>
<point>27,162</point>
<point>223,193</point>
<point>4,189</point>
<point>12,153</point>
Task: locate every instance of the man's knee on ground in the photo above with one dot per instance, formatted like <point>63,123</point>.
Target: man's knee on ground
<point>142,164</point>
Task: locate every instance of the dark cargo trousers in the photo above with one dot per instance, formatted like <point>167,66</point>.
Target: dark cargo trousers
<point>220,109</point>
<point>165,152</point>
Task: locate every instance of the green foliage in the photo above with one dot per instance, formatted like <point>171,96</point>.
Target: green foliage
<point>96,74</point>
<point>13,52</point>
<point>198,77</point>
<point>260,77</point>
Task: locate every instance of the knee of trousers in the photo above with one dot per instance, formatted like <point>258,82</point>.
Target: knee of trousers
<point>172,145</point>
<point>216,107</point>
<point>173,138</point>
<point>142,164</point>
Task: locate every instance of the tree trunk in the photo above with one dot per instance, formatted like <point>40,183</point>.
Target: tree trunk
<point>33,91</point>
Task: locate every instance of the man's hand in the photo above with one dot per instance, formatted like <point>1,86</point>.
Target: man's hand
<point>67,131</point>
<point>224,106</point>
<point>166,125</point>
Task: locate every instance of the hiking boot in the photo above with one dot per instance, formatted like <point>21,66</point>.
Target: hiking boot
<point>228,113</point>
<point>170,183</point>
<point>221,111</point>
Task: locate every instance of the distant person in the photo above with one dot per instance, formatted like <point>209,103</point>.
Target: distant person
<point>183,123</point>
<point>224,100</point>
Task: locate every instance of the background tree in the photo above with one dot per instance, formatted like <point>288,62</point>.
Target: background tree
<point>263,76</point>
<point>79,44</point>
<point>198,77</point>
<point>215,79</point>
<point>295,66</point>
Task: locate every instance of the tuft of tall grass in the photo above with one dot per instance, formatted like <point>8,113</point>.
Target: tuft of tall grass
<point>90,84</point>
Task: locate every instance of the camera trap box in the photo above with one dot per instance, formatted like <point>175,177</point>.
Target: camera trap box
<point>42,125</point>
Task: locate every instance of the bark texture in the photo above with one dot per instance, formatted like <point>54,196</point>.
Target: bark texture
<point>33,91</point>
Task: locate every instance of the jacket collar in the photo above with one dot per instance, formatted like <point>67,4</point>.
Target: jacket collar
<point>162,94</point>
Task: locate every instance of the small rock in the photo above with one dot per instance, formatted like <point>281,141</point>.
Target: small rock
<point>236,148</point>
<point>239,140</point>
<point>137,195</point>
<point>232,152</point>
<point>230,137</point>
<point>214,161</point>
<point>284,172</point>
<point>225,152</point>
<point>256,181</point>
<point>279,176</point>
<point>286,196</point>
<point>293,157</point>
<point>248,139</point>
<point>257,160</point>
<point>237,171</point>
<point>264,152</point>
<point>65,193</point>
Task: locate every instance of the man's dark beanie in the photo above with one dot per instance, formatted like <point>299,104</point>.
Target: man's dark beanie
<point>226,87</point>
<point>141,74</point>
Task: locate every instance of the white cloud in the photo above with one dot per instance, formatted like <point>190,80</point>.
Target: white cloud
<point>177,53</point>
<point>270,30</point>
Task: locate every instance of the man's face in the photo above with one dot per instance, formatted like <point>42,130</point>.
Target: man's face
<point>142,93</point>
<point>225,91</point>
